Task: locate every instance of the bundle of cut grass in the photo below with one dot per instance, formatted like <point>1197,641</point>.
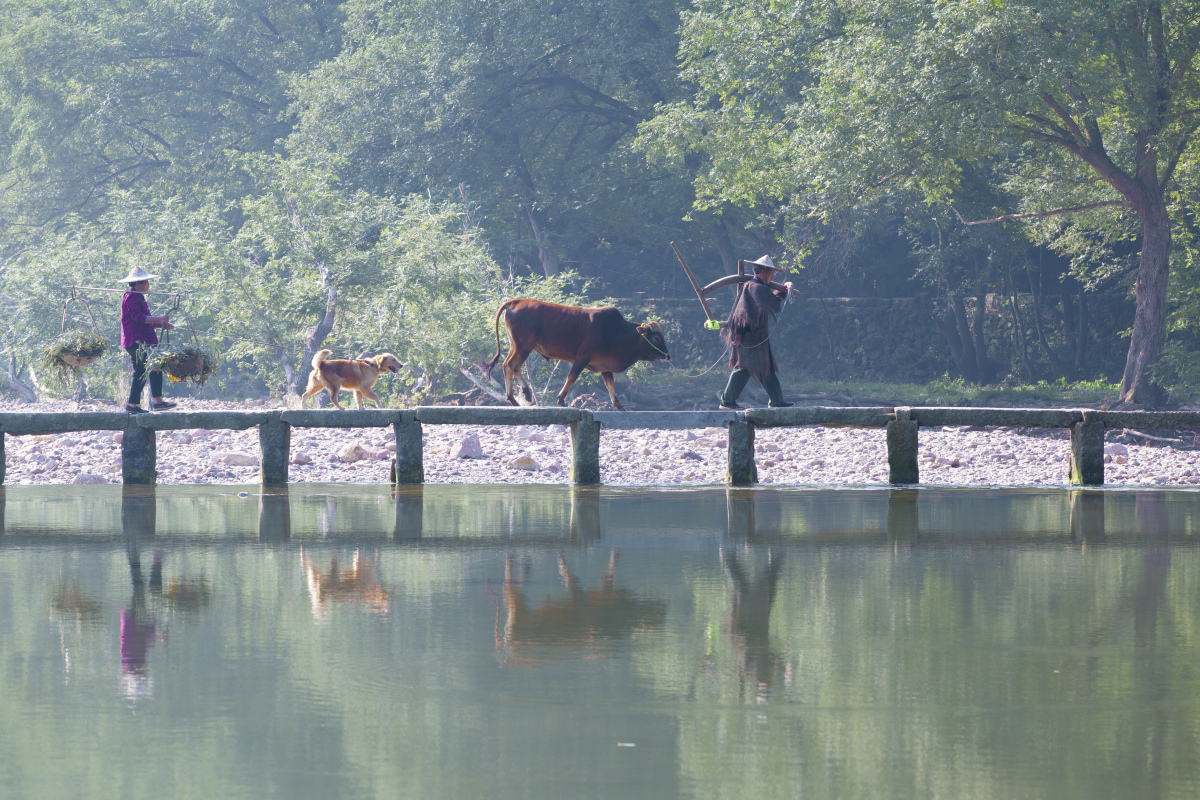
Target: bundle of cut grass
<point>72,351</point>
<point>181,362</point>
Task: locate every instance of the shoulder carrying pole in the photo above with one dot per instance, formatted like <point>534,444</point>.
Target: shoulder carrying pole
<point>696,286</point>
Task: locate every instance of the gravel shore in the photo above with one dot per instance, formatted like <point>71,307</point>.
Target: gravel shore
<point>480,454</point>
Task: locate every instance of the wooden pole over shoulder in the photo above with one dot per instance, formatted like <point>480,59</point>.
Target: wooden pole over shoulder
<point>692,278</point>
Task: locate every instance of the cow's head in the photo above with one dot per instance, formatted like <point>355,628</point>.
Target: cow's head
<point>652,335</point>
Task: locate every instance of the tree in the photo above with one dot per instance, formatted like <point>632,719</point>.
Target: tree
<point>108,96</point>
<point>529,108</point>
<point>1092,106</point>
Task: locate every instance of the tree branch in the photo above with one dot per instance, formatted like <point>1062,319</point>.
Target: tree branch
<point>1032,214</point>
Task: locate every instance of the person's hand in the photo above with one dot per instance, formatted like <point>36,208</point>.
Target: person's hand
<point>789,287</point>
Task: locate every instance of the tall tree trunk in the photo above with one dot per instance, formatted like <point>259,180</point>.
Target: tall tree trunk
<point>724,245</point>
<point>1019,340</point>
<point>957,333</point>
<point>1082,333</point>
<point>316,337</point>
<point>983,364</point>
<point>13,376</point>
<point>1150,318</point>
<point>549,258</point>
<point>1070,327</point>
<point>970,362</point>
<point>1035,292</point>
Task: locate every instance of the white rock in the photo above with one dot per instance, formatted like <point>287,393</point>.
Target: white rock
<point>349,453</point>
<point>1116,449</point>
<point>557,429</point>
<point>181,437</point>
<point>523,462</point>
<point>238,459</point>
<point>690,436</point>
<point>469,447</point>
<point>301,458</point>
<point>530,434</point>
<point>88,477</point>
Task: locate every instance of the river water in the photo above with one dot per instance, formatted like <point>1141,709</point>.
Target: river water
<point>544,642</point>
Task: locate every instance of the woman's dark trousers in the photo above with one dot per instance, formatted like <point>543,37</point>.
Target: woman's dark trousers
<point>139,377</point>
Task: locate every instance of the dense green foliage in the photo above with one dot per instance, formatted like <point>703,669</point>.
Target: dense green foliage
<point>372,175</point>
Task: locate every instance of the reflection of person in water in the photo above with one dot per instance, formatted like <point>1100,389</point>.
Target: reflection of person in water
<point>138,628</point>
<point>750,621</point>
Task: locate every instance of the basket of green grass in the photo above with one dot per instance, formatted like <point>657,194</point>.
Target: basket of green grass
<point>72,351</point>
<point>181,362</point>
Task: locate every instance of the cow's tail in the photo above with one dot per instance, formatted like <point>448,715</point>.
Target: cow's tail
<point>321,355</point>
<point>491,365</point>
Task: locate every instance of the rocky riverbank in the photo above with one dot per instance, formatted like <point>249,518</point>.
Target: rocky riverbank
<point>466,454</point>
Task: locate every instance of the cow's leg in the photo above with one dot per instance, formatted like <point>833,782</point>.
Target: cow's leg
<point>576,368</point>
<point>508,377</point>
<point>611,385</point>
<point>514,367</point>
<point>526,389</point>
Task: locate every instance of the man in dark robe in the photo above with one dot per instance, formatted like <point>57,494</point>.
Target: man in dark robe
<point>746,333</point>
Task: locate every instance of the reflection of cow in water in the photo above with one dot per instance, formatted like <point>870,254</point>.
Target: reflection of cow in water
<point>358,584</point>
<point>750,623</point>
<point>584,621</point>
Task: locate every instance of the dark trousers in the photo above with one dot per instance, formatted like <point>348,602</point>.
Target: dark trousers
<point>139,378</point>
<point>738,380</point>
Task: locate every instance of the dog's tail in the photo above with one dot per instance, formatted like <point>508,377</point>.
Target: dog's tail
<point>488,367</point>
<point>321,355</point>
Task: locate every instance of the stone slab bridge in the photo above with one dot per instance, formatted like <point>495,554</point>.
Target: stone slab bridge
<point>901,426</point>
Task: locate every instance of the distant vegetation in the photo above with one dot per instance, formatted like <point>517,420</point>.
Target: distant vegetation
<point>377,176</point>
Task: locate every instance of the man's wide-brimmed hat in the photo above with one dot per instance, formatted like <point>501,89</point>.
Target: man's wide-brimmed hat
<point>137,274</point>
<point>764,263</point>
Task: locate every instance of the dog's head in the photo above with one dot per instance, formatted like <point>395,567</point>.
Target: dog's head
<point>386,362</point>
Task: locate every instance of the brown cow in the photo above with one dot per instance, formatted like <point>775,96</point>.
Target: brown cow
<point>596,339</point>
<point>586,623</point>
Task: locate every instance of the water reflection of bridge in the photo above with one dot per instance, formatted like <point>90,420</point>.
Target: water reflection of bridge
<point>452,517</point>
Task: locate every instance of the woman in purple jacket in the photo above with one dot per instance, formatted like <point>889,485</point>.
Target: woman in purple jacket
<point>137,328</point>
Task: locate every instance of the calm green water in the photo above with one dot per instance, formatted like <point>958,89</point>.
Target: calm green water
<point>534,642</point>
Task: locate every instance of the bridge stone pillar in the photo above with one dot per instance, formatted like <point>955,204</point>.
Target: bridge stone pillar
<point>1086,462</point>
<point>902,448</point>
<point>139,456</point>
<point>585,450</point>
<point>274,452</point>
<point>408,467</point>
<point>741,469</point>
<point>2,458</point>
